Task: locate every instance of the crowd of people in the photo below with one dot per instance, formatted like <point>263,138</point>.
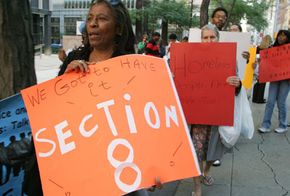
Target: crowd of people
<point>108,33</point>
<point>13,156</point>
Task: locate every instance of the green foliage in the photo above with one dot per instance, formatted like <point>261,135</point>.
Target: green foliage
<point>252,10</point>
<point>170,11</point>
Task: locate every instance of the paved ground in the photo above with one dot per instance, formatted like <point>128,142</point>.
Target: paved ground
<point>46,67</point>
<point>257,167</point>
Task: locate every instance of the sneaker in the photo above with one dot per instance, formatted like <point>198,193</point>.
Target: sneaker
<point>216,163</point>
<point>264,130</point>
<point>280,130</point>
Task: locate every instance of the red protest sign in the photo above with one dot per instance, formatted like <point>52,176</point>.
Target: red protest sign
<point>200,71</point>
<point>275,64</point>
<point>112,131</point>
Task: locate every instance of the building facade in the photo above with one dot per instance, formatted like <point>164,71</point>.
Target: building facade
<point>52,19</point>
<point>67,13</point>
<point>41,19</point>
<point>278,16</point>
<point>282,19</point>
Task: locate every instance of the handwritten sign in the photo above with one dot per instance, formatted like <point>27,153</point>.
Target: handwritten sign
<point>14,144</point>
<point>112,131</point>
<point>243,41</point>
<point>249,72</point>
<point>275,64</point>
<point>200,71</point>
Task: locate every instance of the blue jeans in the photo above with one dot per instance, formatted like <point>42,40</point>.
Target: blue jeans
<point>277,91</point>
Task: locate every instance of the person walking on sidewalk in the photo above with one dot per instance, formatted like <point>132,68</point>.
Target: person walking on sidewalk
<point>278,92</point>
<point>206,138</point>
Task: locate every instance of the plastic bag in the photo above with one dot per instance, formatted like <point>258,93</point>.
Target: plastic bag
<point>230,134</point>
<point>247,122</point>
<point>243,122</point>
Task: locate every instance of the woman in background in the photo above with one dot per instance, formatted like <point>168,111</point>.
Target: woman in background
<point>278,92</point>
<point>206,138</point>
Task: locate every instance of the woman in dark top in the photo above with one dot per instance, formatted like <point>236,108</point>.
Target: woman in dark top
<point>109,34</point>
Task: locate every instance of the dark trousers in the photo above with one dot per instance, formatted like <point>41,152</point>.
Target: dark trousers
<point>258,93</point>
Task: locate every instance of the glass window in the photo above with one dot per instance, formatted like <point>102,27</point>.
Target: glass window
<point>70,25</point>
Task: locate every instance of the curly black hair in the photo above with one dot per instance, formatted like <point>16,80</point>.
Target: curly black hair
<point>219,9</point>
<point>125,39</point>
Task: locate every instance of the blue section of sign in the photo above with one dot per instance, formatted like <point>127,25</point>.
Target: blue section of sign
<point>13,117</point>
<point>15,144</point>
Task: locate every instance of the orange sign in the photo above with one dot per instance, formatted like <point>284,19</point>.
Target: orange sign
<point>275,64</point>
<point>200,71</point>
<point>249,72</point>
<point>112,131</point>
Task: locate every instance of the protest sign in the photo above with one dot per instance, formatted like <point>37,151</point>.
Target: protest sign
<point>249,72</point>
<point>200,71</point>
<point>15,144</point>
<point>112,131</point>
<point>275,64</point>
<point>243,41</point>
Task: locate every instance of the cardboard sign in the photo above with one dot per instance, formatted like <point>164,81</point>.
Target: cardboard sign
<point>249,72</point>
<point>243,41</point>
<point>15,144</point>
<point>200,71</point>
<point>275,64</point>
<point>112,131</point>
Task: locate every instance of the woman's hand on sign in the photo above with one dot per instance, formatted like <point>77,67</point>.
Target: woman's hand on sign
<point>78,66</point>
<point>234,81</point>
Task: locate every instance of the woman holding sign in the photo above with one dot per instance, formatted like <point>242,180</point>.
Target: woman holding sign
<point>206,138</point>
<point>278,91</point>
<point>110,34</point>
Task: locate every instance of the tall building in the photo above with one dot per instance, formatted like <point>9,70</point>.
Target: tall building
<point>282,19</point>
<point>41,18</point>
<point>130,4</point>
<point>65,14</point>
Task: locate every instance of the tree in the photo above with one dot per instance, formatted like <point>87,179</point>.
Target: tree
<point>204,13</point>
<point>170,12</point>
<point>17,51</point>
<point>138,15</point>
<point>253,11</point>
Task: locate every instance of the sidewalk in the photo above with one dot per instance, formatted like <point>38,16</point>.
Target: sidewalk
<point>257,167</point>
<point>46,67</point>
